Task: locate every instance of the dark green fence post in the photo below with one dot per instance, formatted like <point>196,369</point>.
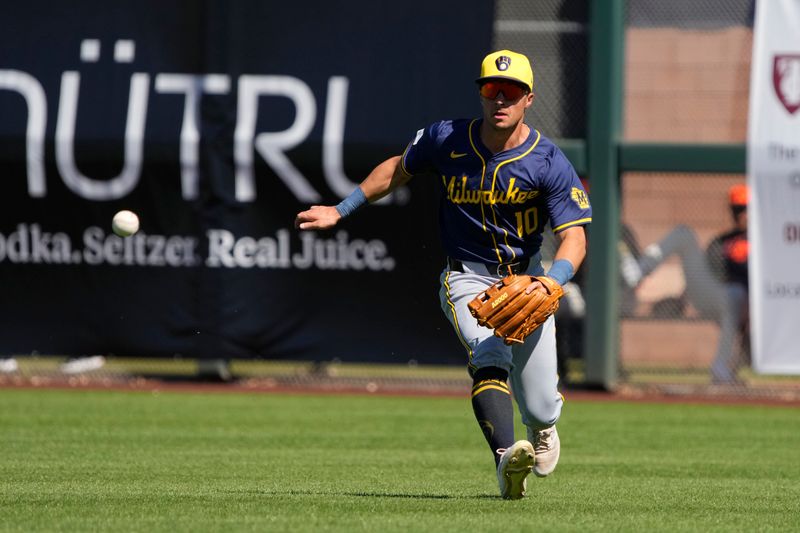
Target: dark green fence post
<point>606,53</point>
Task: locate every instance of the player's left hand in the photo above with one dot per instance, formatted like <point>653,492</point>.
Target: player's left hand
<point>535,285</point>
<point>317,217</point>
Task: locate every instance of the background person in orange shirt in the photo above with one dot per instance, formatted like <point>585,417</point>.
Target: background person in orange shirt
<point>716,281</point>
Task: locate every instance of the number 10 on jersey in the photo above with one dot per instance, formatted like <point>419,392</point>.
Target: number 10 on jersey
<point>527,221</point>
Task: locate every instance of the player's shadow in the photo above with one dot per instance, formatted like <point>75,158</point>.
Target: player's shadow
<point>396,495</point>
<point>419,496</point>
<point>365,494</point>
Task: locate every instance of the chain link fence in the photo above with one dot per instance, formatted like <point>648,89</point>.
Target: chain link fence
<point>554,35</point>
<point>687,68</point>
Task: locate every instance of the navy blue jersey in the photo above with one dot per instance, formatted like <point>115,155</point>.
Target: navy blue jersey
<point>494,207</point>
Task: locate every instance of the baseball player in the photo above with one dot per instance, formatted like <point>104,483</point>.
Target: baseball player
<point>502,181</point>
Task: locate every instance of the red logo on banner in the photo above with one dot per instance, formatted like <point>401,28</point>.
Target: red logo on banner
<point>786,80</point>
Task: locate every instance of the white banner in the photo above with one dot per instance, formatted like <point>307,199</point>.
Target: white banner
<point>773,168</point>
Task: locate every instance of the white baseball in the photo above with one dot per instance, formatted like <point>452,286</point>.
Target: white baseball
<point>125,223</point>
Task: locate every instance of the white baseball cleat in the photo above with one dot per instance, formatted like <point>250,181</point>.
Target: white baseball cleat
<point>547,447</point>
<point>516,463</point>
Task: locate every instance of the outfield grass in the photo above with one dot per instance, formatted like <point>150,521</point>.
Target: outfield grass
<point>122,461</point>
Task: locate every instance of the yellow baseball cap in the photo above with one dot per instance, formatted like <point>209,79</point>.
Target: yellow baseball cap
<point>507,65</point>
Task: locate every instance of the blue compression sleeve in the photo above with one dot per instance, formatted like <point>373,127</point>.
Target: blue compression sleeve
<point>352,203</point>
<point>561,270</point>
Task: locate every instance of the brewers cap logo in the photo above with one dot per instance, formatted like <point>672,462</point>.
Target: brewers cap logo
<point>502,62</point>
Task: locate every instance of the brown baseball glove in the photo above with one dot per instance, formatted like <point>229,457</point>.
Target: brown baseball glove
<point>513,314</point>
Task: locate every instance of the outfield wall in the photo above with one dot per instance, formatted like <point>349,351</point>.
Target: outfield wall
<point>217,122</point>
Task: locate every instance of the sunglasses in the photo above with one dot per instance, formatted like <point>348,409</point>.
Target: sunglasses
<point>511,90</point>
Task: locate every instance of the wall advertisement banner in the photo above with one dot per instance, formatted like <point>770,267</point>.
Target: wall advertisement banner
<point>217,122</point>
<point>774,176</point>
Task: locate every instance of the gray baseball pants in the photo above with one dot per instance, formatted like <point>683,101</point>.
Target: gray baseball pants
<point>532,366</point>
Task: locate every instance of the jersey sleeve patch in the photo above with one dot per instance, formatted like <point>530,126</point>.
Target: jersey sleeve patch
<point>580,198</point>
<point>567,201</point>
<point>418,157</point>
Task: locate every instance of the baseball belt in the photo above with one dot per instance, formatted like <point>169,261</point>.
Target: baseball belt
<point>499,269</point>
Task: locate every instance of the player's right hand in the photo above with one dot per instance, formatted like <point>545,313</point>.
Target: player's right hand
<point>318,217</point>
